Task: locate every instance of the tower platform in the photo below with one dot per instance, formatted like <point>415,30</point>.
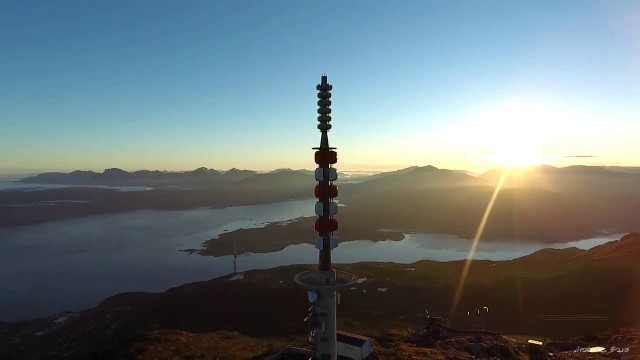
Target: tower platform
<point>324,280</point>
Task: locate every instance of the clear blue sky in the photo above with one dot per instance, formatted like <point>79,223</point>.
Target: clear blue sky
<point>182,84</point>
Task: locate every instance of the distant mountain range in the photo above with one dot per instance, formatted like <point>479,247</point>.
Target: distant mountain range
<point>415,177</point>
<point>542,203</point>
<point>200,177</point>
<point>597,179</point>
<point>621,180</point>
<point>119,177</point>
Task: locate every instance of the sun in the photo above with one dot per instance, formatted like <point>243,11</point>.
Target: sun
<point>517,153</point>
<point>521,132</point>
<point>517,132</point>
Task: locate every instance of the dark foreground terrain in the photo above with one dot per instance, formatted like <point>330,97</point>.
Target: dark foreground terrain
<point>570,295</point>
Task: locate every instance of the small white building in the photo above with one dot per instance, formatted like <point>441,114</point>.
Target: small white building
<point>353,346</point>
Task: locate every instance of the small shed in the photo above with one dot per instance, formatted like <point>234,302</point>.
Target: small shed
<point>353,346</point>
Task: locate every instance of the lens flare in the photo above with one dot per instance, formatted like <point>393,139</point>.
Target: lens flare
<point>474,245</point>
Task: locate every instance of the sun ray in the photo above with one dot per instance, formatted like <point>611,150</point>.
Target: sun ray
<point>474,245</point>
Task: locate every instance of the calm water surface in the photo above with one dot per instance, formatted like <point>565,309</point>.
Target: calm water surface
<point>73,264</point>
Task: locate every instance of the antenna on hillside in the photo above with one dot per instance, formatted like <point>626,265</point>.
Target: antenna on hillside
<point>235,256</point>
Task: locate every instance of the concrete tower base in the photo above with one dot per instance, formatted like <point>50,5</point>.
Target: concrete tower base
<point>322,286</point>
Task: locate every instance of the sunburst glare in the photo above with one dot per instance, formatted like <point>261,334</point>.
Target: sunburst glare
<point>474,245</point>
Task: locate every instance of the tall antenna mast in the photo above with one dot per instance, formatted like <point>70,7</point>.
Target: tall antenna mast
<point>325,156</point>
<point>323,282</point>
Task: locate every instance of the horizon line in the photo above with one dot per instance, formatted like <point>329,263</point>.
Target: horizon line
<point>371,171</point>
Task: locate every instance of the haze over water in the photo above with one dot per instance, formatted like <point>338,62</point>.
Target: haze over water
<point>73,264</point>
<point>15,185</point>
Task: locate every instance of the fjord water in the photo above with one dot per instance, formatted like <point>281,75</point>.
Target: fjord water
<point>73,264</point>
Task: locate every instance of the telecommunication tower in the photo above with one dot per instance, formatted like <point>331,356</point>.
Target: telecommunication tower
<point>322,283</point>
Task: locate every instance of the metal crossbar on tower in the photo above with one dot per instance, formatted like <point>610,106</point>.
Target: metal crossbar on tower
<point>322,283</point>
